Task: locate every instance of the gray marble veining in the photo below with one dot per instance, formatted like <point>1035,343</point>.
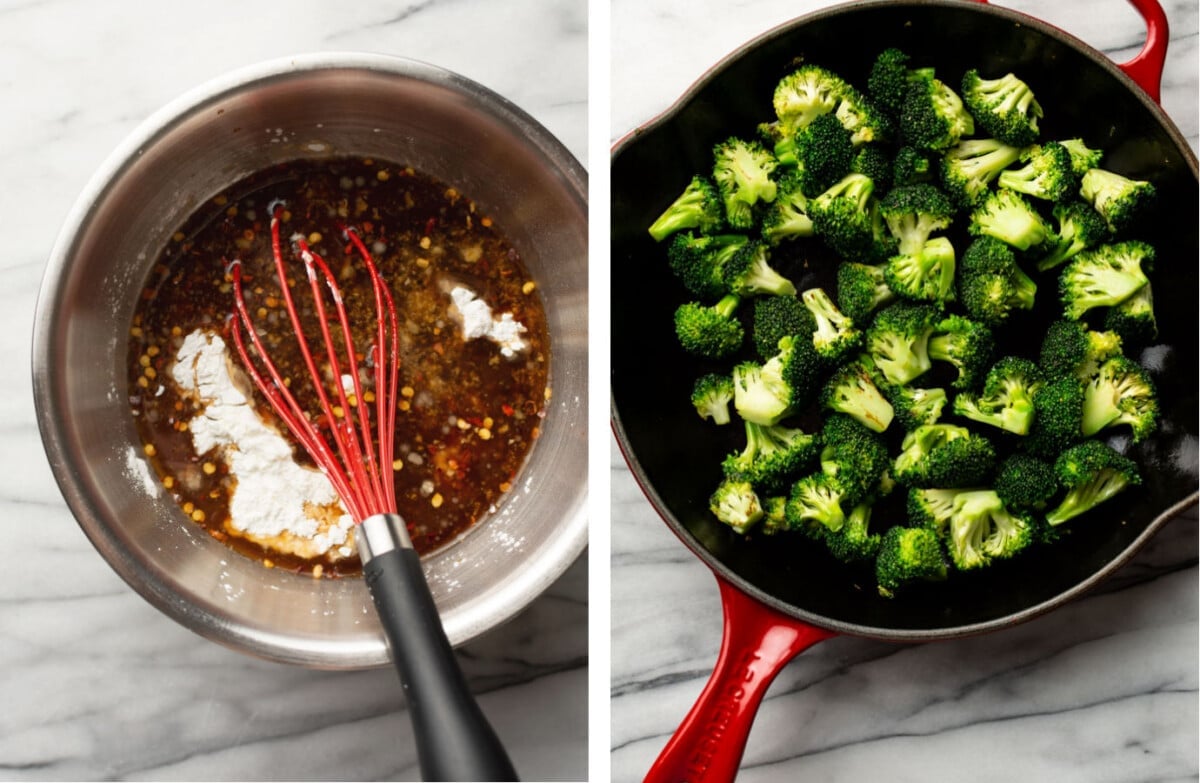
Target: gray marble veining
<point>94,682</point>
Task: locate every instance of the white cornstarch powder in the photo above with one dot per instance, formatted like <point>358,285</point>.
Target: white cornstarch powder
<point>477,321</point>
<point>274,498</point>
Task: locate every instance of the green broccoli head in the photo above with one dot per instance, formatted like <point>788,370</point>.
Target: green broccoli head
<point>1079,227</point>
<point>735,503</point>
<point>866,122</point>
<point>944,456</point>
<point>967,168</point>
<point>748,272</point>
<point>854,542</point>
<point>911,166</point>
<point>1057,417</point>
<point>861,288</point>
<point>1025,482</point>
<point>711,395</point>
<point>855,455</point>
<point>742,170</point>
<point>805,94</point>
<point>965,344</point>
<point>774,518</point>
<point>843,216</point>
<point>925,276</point>
<point>906,555</point>
<point>760,395</point>
<point>699,207</point>
<point>1047,173</point>
<point>873,162</point>
<point>1007,216</point>
<point>931,508</point>
<point>821,151</point>
<point>932,116</point>
<point>898,338</point>
<point>835,334</point>
<point>709,331</point>
<point>1121,393</point>
<point>772,456</point>
<point>1071,348</point>
<point>915,406</point>
<point>851,389</point>
<point>1117,198</point>
<point>1004,107</point>
<point>1007,398</point>
<point>787,216</point>
<point>1083,157</point>
<point>699,261</point>
<point>814,506</point>
<point>1104,276</point>
<point>914,212</point>
<point>888,80</point>
<point>776,317</point>
<point>1091,473</point>
<point>991,285</point>
<point>981,530</point>
<point>1133,319</point>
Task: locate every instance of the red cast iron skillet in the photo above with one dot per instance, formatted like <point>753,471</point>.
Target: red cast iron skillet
<point>781,595</point>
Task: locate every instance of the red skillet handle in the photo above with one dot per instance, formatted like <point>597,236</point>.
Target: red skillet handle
<point>1146,67</point>
<point>758,641</point>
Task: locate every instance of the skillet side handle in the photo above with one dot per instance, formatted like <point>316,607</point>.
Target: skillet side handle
<point>1146,67</point>
<point>757,643</point>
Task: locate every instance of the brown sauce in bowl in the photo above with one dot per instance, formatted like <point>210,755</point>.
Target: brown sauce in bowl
<point>467,413</point>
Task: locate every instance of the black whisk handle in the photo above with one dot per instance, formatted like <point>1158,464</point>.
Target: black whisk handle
<point>455,742</point>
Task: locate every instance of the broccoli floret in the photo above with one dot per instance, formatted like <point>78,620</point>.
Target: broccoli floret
<point>851,390</point>
<point>1025,482</point>
<point>814,506</point>
<point>711,395</point>
<point>1083,157</point>
<point>908,554</point>
<point>787,216</point>
<point>855,455</point>
<point>712,331</point>
<point>913,213</point>
<point>914,406</point>
<point>842,216</point>
<point>766,393</point>
<point>897,341</point>
<point>1133,319</point>
<point>735,503</point>
<point>1079,227</point>
<point>742,170</point>
<point>865,122</point>
<point>927,275</point>
<point>932,116</point>
<point>873,161</point>
<point>964,343</point>
<point>855,541</point>
<point>1104,276</point>
<point>1046,174</point>
<point>776,317</point>
<point>699,207</point>
<point>1057,417</point>
<point>772,456</point>
<point>1117,198</point>
<point>1091,473</point>
<point>931,508</point>
<point>698,261</point>
<point>888,80</point>
<point>991,284</point>
<point>1120,393</point>
<point>968,167</point>
<point>981,530</point>
<point>805,94</point>
<point>835,334</point>
<point>861,288</point>
<point>821,152</point>
<point>943,455</point>
<point>1007,216</point>
<point>749,272</point>
<point>1071,348</point>
<point>1007,398</point>
<point>1005,107</point>
<point>774,518</point>
<point>911,166</point>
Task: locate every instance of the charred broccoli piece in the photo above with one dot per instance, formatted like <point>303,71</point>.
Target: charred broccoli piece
<point>1047,173</point>
<point>773,454</point>
<point>1004,107</point>
<point>913,213</point>
<point>776,317</point>
<point>1091,473</point>
<point>742,170</point>
<point>897,341</point>
<point>991,285</point>
<point>787,216</point>
<point>861,288</point>
<point>1118,199</point>
<point>932,116</point>
<point>1079,227</point>
<point>852,390</point>
<point>699,207</point>
<point>1104,276</point>
<point>1071,348</point>
<point>906,555</point>
<point>965,344</point>
<point>1007,398</point>
<point>1133,319</point>
<point>735,503</point>
<point>1025,482</point>
<point>1122,392</point>
<point>711,395</point>
<point>1007,216</point>
<point>712,331</point>
<point>835,334</point>
<point>945,456</point>
<point>699,261</point>
<point>968,168</point>
<point>925,276</point>
<point>749,272</point>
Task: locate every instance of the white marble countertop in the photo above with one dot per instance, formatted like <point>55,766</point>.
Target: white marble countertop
<point>1102,689</point>
<point>97,684</point>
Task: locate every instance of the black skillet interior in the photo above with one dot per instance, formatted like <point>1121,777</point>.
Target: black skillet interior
<point>676,456</point>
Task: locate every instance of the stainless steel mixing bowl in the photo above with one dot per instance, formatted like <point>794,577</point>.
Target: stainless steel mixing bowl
<point>310,106</point>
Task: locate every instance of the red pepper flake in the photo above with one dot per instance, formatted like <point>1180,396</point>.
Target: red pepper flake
<point>508,409</point>
<point>429,226</point>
